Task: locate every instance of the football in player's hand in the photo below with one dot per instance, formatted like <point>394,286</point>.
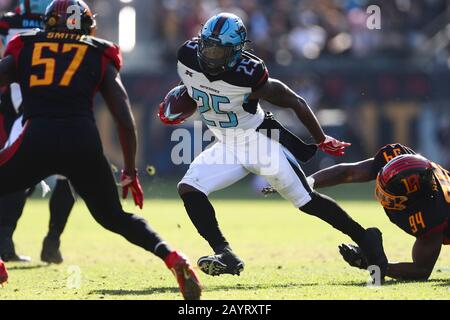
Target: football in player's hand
<point>177,106</point>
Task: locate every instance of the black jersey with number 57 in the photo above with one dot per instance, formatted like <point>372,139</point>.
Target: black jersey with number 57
<point>59,73</point>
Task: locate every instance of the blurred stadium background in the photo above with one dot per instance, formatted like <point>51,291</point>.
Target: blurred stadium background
<point>369,87</point>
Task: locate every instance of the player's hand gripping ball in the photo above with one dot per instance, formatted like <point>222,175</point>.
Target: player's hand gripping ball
<point>177,106</point>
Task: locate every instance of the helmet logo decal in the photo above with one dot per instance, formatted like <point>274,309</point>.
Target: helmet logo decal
<point>52,21</point>
<point>412,183</point>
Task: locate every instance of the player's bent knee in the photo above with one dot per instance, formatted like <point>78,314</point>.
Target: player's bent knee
<point>313,205</point>
<point>184,188</point>
<point>297,195</point>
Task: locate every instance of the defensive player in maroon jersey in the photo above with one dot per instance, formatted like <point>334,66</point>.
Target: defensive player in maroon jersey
<point>415,194</point>
<point>59,71</point>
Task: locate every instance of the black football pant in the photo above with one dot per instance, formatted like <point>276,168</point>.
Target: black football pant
<point>71,147</point>
<point>11,208</point>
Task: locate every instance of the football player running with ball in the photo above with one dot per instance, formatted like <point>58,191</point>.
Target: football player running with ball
<point>415,194</point>
<point>59,71</point>
<point>227,82</point>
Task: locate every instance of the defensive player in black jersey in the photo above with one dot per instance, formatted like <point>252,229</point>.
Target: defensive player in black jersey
<point>28,16</point>
<point>227,82</point>
<point>59,71</point>
<point>415,194</point>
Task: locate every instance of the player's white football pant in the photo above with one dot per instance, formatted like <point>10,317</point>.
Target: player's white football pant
<point>230,160</point>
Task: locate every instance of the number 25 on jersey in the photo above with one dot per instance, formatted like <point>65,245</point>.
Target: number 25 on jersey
<point>207,101</point>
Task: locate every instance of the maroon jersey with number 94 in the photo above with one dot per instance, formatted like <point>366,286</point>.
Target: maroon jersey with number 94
<point>425,217</point>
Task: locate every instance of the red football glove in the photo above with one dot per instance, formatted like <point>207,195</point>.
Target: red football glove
<point>133,184</point>
<point>165,118</point>
<point>3,274</point>
<point>333,147</point>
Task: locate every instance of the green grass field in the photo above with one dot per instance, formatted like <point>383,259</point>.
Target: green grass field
<point>288,255</point>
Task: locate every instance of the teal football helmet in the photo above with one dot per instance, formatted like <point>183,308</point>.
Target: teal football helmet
<point>33,7</point>
<point>221,42</point>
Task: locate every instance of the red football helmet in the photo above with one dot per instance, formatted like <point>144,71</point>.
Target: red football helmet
<point>404,180</point>
<point>57,17</point>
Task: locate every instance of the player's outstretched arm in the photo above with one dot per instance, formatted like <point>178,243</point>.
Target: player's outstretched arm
<point>344,173</point>
<point>116,98</point>
<point>279,94</point>
<point>425,253</point>
<point>7,71</point>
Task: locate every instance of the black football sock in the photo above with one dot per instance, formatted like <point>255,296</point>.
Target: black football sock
<point>11,208</point>
<point>61,204</point>
<point>203,217</point>
<point>328,210</point>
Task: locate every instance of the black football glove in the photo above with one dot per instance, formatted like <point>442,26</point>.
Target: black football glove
<point>353,256</point>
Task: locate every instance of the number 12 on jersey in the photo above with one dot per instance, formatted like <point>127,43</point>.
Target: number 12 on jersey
<point>213,101</point>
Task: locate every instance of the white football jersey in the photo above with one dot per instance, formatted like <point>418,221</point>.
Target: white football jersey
<point>222,100</point>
